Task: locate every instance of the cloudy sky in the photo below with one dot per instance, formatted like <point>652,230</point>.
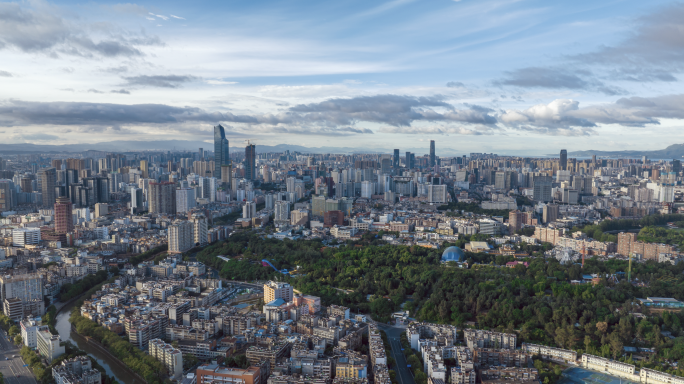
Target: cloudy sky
<point>515,76</point>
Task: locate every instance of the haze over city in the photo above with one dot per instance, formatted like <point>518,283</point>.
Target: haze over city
<point>513,77</point>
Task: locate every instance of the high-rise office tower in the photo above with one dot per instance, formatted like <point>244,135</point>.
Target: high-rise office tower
<point>144,169</point>
<point>26,185</point>
<point>48,179</point>
<point>563,160</point>
<point>408,160</point>
<point>542,188</point>
<point>221,156</point>
<point>162,198</point>
<point>6,200</point>
<point>201,154</point>
<point>136,200</point>
<point>226,176</point>
<point>676,165</point>
<point>71,178</point>
<point>250,162</point>
<point>432,153</point>
<point>396,160</point>
<point>64,220</point>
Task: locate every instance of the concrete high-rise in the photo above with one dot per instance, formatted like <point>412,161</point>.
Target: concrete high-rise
<point>550,213</point>
<point>185,200</point>
<point>432,154</point>
<point>136,200</point>
<point>64,220</point>
<point>181,236</point>
<point>221,155</point>
<point>563,165</point>
<point>250,162</point>
<point>6,196</point>
<point>542,188</point>
<point>26,185</point>
<point>144,169</point>
<point>48,179</point>
<point>277,290</point>
<point>162,198</point>
<point>200,228</point>
<point>226,176</point>
<point>281,211</point>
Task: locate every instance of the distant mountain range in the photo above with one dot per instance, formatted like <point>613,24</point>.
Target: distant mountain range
<point>186,145</point>
<point>674,151</point>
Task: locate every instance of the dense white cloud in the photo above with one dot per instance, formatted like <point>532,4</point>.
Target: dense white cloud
<point>39,28</point>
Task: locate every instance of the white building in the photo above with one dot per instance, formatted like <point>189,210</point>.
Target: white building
<point>171,358</point>
<point>29,330</point>
<point>437,194</point>
<point>181,236</point>
<point>282,210</point>
<point>22,237</point>
<point>48,345</point>
<point>199,222</point>
<point>249,210</point>
<point>367,189</point>
<point>185,200</point>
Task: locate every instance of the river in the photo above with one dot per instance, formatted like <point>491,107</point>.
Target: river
<point>111,367</point>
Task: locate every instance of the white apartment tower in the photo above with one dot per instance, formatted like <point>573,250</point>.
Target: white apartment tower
<point>181,236</point>
<point>199,222</point>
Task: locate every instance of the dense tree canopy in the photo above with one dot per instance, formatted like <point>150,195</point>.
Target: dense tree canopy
<point>537,302</point>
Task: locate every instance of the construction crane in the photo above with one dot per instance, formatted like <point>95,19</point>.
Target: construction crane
<point>584,251</point>
<point>629,270</point>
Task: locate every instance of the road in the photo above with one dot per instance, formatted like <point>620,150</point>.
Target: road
<point>13,369</point>
<point>404,375</point>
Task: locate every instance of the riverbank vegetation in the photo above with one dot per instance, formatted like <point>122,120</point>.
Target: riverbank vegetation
<point>149,368</point>
<point>69,291</point>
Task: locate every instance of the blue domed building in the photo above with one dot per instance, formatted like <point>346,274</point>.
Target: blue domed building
<point>453,254</point>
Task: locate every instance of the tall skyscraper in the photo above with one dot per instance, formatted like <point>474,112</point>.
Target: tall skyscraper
<point>396,159</point>
<point>408,160</point>
<point>26,185</point>
<point>64,221</point>
<point>162,198</point>
<point>221,156</point>
<point>563,160</point>
<point>250,162</point>
<point>144,169</point>
<point>201,154</point>
<point>48,179</point>
<point>136,200</point>
<point>432,153</point>
<point>6,196</point>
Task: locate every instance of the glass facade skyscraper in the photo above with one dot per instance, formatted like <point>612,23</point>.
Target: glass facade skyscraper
<point>432,153</point>
<point>221,155</point>
<point>250,162</point>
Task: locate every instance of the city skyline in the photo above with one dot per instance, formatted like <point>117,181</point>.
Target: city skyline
<point>493,76</point>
